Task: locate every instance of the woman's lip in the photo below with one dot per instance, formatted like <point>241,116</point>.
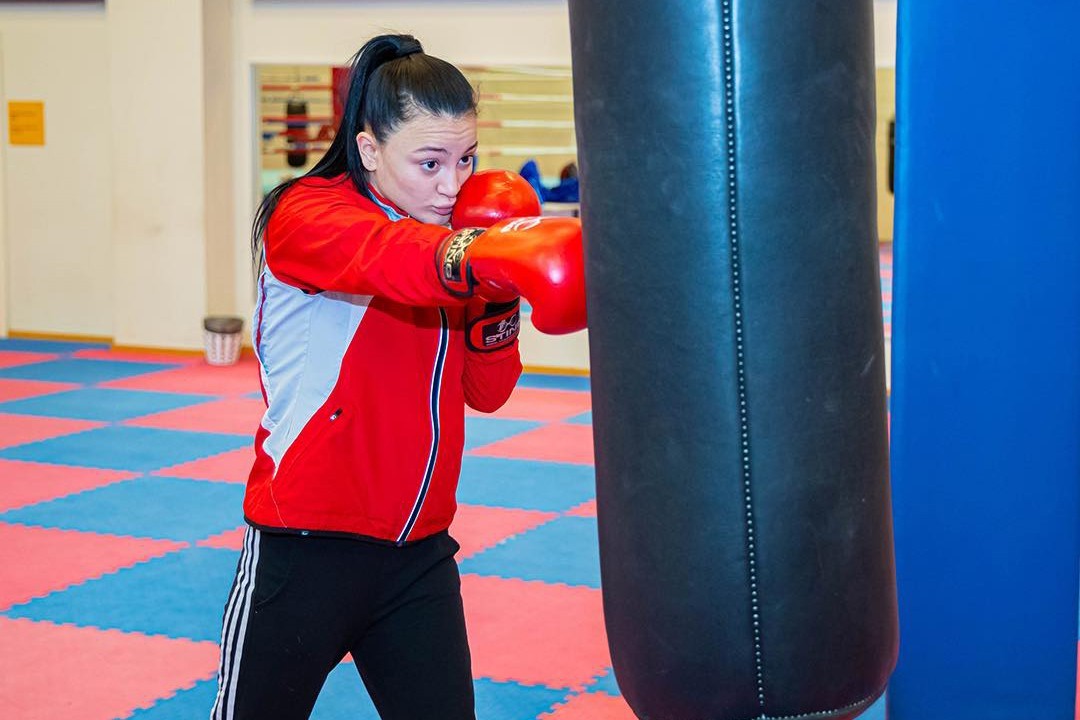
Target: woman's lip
<point>444,211</point>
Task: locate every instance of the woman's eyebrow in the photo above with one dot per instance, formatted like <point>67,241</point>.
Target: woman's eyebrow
<point>443,151</point>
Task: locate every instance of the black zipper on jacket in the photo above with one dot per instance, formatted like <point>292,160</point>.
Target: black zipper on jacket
<point>436,389</point>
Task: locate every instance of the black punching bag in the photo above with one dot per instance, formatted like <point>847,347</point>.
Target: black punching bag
<point>726,152</point>
<point>296,132</point>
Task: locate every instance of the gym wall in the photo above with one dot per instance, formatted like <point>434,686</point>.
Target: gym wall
<point>131,222</point>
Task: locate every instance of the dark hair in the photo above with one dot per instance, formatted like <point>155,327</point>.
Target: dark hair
<point>390,80</point>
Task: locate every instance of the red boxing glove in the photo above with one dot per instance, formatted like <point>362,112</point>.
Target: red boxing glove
<point>539,258</point>
<point>489,196</point>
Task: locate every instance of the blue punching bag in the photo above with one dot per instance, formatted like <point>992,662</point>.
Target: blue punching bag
<point>726,153</point>
<point>986,359</point>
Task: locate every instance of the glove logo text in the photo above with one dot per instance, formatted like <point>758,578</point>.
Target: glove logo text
<point>527,223</point>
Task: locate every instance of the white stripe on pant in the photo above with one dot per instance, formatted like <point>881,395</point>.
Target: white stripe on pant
<point>234,627</point>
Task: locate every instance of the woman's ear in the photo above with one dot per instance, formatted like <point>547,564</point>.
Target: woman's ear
<point>369,151</point>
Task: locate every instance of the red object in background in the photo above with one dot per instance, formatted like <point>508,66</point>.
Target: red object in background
<point>489,196</point>
<point>339,81</point>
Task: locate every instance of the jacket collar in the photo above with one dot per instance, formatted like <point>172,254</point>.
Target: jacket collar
<point>392,211</point>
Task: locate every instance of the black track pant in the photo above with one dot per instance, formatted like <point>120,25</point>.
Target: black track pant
<point>298,604</point>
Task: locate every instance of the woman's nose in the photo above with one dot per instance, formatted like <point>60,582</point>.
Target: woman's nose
<point>450,185</point>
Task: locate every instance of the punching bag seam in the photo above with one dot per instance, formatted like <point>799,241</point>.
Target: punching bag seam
<point>727,23</point>
<point>825,714</point>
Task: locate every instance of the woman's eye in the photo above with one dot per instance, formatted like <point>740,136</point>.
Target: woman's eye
<point>466,161</point>
<point>430,164</point>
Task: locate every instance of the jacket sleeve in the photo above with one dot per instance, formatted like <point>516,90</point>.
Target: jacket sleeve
<point>490,377</point>
<point>320,239</point>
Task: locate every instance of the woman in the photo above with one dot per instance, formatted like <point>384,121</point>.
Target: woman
<point>365,299</point>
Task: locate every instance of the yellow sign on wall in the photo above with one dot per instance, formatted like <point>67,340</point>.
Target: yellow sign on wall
<point>26,122</point>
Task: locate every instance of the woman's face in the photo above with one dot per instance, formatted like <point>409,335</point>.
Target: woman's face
<point>421,166</point>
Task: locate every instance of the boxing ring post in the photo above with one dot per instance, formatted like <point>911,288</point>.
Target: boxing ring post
<point>726,150</point>
<point>986,360</point>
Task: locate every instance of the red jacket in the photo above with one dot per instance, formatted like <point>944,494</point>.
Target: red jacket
<point>364,369</point>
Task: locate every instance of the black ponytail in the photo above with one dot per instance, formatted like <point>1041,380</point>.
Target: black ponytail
<point>390,80</point>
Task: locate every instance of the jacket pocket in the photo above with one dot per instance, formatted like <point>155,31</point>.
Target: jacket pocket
<point>320,424</point>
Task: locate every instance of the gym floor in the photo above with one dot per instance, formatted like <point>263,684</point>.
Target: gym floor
<point>121,480</point>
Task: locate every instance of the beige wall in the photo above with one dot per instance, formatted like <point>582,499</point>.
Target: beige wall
<point>57,199</point>
<point>885,50</point>
<point>886,112</point>
<point>133,220</point>
<point>219,82</point>
<point>885,33</point>
<point>159,204</point>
